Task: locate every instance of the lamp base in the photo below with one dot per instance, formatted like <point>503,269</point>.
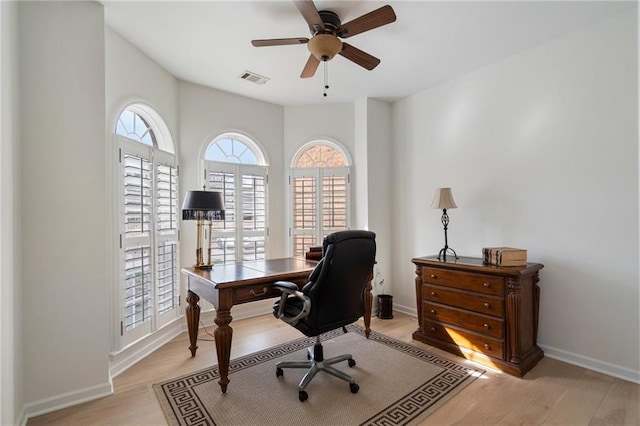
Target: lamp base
<point>443,254</point>
<point>203,267</point>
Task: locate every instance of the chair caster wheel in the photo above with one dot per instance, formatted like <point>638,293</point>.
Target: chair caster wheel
<point>352,362</point>
<point>303,396</point>
<point>354,387</point>
<point>279,372</point>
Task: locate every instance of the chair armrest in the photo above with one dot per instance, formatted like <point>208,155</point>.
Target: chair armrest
<point>290,289</point>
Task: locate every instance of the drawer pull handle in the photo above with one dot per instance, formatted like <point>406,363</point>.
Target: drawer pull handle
<point>264,291</point>
<point>487,326</point>
<point>433,293</point>
<point>486,305</point>
<point>433,276</point>
<point>487,346</point>
<point>433,329</point>
<point>486,285</point>
<point>433,311</point>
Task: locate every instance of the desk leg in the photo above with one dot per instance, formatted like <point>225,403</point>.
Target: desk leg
<point>193,319</point>
<point>223,335</point>
<point>368,303</point>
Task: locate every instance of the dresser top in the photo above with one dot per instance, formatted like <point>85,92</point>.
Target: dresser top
<point>475,264</point>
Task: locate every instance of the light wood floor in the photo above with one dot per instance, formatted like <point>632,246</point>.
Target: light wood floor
<point>553,393</point>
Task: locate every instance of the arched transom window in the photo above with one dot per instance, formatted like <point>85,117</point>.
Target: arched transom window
<point>236,166</point>
<point>320,200</point>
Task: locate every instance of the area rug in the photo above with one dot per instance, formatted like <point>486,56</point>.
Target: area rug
<point>400,384</point>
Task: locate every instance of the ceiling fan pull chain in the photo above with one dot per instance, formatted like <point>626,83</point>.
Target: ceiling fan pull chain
<point>326,77</point>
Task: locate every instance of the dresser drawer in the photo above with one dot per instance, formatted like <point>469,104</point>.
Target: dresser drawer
<point>485,284</point>
<point>489,305</point>
<point>484,324</point>
<point>477,343</point>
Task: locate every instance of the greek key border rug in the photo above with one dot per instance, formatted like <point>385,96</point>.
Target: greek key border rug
<point>400,384</point>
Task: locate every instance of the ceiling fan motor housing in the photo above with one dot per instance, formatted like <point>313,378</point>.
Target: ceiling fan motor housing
<point>330,20</point>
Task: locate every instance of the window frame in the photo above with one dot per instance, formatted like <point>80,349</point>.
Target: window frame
<point>238,170</point>
<point>318,174</point>
<point>162,154</point>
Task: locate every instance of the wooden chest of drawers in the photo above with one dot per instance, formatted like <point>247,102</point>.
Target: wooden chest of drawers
<point>484,313</point>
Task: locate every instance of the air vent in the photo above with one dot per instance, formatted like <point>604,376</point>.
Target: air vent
<point>253,77</point>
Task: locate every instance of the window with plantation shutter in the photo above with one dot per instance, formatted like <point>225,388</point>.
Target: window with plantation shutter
<point>235,166</point>
<point>320,200</point>
<point>148,230</point>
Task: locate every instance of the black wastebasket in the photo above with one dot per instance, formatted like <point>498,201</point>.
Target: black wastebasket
<point>385,306</point>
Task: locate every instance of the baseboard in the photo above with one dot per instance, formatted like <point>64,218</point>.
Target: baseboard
<point>125,358</point>
<point>568,357</point>
<point>592,364</point>
<point>406,310</point>
<point>58,402</point>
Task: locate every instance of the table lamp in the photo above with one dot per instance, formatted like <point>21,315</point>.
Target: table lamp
<point>203,206</point>
<point>443,199</point>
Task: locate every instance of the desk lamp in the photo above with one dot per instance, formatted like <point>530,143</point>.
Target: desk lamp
<point>443,199</point>
<point>203,206</point>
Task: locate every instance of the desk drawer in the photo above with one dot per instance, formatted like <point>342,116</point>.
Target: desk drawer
<point>465,339</point>
<point>256,292</point>
<point>484,304</point>
<point>485,284</point>
<point>464,319</point>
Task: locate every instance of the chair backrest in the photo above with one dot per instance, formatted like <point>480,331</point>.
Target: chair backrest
<point>338,284</point>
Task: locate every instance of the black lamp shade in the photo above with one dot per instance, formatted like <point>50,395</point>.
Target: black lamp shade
<point>199,205</point>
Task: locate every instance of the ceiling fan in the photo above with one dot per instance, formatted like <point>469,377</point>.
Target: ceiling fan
<point>327,30</point>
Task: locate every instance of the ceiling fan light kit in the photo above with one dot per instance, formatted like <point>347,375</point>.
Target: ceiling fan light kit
<point>326,30</point>
<point>324,46</point>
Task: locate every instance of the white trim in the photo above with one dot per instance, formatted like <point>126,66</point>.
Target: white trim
<point>67,399</point>
<point>123,359</point>
<point>604,367</point>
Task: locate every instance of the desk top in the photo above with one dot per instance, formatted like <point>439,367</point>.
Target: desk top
<point>256,271</point>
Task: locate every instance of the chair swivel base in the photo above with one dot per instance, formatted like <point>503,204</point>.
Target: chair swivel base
<point>316,363</point>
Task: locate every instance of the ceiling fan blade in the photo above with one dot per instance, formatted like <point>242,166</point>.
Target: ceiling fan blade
<point>359,57</point>
<point>279,41</point>
<point>310,67</point>
<point>377,18</point>
<point>310,14</point>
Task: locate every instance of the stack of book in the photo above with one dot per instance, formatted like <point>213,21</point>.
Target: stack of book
<point>314,253</point>
<point>504,256</point>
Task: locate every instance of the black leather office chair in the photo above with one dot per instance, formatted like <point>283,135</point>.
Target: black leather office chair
<point>333,298</point>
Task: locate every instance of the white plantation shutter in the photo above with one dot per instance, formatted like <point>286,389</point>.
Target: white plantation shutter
<point>254,213</point>
<point>242,235</point>
<point>136,213</point>
<point>167,278</point>
<point>149,239</point>
<point>318,209</point>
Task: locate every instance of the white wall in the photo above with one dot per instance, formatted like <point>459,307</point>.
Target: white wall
<point>541,150</point>
<point>380,207</point>
<point>62,205</point>
<point>132,77</point>
<point>206,113</point>
<point>11,348</point>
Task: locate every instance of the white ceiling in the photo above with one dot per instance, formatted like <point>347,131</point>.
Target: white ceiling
<point>209,42</point>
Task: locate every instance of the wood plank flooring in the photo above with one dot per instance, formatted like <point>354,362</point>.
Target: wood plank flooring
<point>553,393</point>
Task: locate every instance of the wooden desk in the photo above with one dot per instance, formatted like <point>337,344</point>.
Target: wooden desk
<point>234,284</point>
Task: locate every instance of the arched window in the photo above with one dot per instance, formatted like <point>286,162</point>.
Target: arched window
<point>235,165</point>
<point>320,194</point>
<point>147,187</point>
